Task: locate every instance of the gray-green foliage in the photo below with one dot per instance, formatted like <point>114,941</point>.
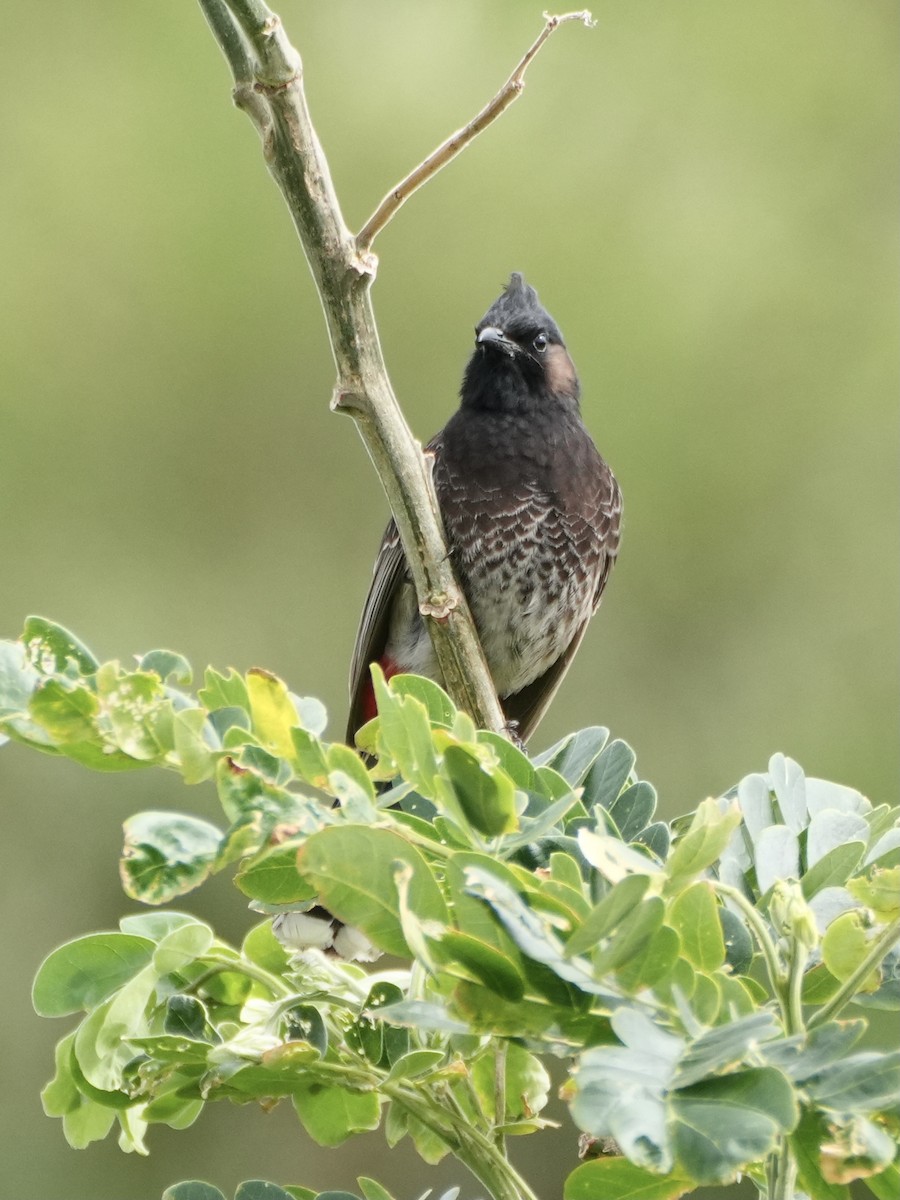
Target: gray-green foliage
<point>538,910</point>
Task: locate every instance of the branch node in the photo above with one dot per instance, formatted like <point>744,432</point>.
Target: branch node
<point>272,89</point>
<point>346,400</point>
<point>365,264</point>
<point>439,607</point>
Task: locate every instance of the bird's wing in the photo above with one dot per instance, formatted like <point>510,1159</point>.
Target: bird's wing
<point>387,576</point>
<point>525,708</point>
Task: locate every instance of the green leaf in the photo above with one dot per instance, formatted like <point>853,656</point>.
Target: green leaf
<point>172,1109</point>
<point>101,1045</point>
<point>616,1178</point>
<point>864,1082</point>
<point>606,916</point>
<point>84,972</point>
<point>309,758</point>
<point>612,858</point>
<point>513,761</point>
<point>415,1063</point>
<point>609,775</point>
<point>245,792</point>
<point>341,759</point>
<point>487,798</point>
<point>306,1024</point>
<point>656,838</point>
<point>706,999</point>
<point>272,711</point>
<point>68,713</point>
<point>833,869</point>
<point>880,892</point>
<point>422,1014</point>
<point>830,829</point>
<point>331,1114</point>
<point>18,679</point>
<point>138,712</point>
<point>806,1142</point>
<point>439,708</point>
<point>619,1091</point>
<point>737,941</point>
<point>89,1122</point>
<point>722,1125</point>
<point>263,948</point>
<point>259,1189</point>
<point>845,947</point>
<point>366,896</point>
<point>564,868</point>
<point>529,930</point>
<point>708,835</point>
<point>224,691</point>
<point>154,925</point>
<point>181,947</point>
<point>694,915</point>
<point>192,1189</point>
<point>824,1045</point>
<point>373,1190</point>
<point>311,713</point>
<point>777,857</point>
<point>197,759</point>
<point>51,648</point>
<point>61,1094</point>
<point>724,1048</point>
<point>404,734</point>
<point>634,932</point>
<point>186,1016</point>
<point>633,810</point>
<point>886,1184</point>
<point>168,665</point>
<point>651,962</point>
<point>273,877</point>
<point>486,963</point>
<point>574,755</point>
<point>527,1083</point>
<point>166,855</point>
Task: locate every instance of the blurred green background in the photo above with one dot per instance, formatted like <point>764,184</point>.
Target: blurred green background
<point>703,194</point>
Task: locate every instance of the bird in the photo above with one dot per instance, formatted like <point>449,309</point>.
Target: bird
<point>532,515</point>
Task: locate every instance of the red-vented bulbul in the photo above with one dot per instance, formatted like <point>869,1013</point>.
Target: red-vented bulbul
<point>532,516</point>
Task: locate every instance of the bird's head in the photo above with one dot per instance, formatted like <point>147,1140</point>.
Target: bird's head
<point>520,360</point>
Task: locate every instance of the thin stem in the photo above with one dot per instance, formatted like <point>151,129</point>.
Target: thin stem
<point>228,35</point>
<point>847,990</point>
<point>500,1093</point>
<point>262,27</point>
<point>799,959</point>
<point>241,967</point>
<point>766,945</point>
<point>457,142</point>
<point>785,1173</point>
<point>771,1175</point>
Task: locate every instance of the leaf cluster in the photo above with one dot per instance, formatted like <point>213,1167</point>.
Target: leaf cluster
<point>690,977</point>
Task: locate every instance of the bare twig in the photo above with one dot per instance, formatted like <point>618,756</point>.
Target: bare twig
<point>268,86</point>
<point>458,141</point>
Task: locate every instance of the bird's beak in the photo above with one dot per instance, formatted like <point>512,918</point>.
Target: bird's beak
<point>492,336</point>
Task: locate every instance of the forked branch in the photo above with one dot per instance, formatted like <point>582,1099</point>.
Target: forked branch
<point>268,78</point>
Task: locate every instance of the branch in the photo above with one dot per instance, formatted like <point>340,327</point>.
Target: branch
<point>458,141</point>
<point>268,86</point>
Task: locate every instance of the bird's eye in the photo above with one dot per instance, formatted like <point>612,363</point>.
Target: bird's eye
<point>540,343</point>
